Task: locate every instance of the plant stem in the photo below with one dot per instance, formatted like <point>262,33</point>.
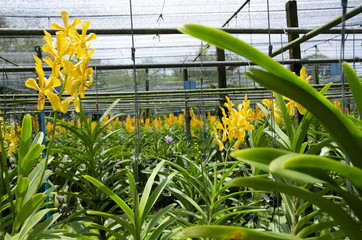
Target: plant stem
<point>4,173</point>
<point>49,147</point>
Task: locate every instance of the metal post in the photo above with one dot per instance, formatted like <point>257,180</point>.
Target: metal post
<point>187,112</point>
<point>221,78</point>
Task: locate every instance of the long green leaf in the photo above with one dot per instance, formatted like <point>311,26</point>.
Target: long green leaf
<point>354,84</point>
<point>27,209</point>
<point>285,115</point>
<point>340,216</point>
<point>230,232</point>
<point>106,229</point>
<point>148,188</point>
<point>126,209</point>
<point>189,200</point>
<point>281,80</point>
<point>130,228</point>
<point>27,231</point>
<point>354,174</point>
<point>155,195</point>
<point>303,127</point>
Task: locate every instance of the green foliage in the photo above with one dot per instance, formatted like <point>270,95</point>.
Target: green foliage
<point>306,170</point>
<point>22,211</point>
<point>139,224</point>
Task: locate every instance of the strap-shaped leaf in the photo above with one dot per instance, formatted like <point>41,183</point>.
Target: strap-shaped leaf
<point>344,132</point>
<point>27,210</point>
<point>354,84</point>
<point>119,201</point>
<point>281,80</point>
<point>231,232</point>
<point>354,174</point>
<point>337,213</point>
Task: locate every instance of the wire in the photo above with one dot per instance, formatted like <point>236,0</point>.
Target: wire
<point>137,121</point>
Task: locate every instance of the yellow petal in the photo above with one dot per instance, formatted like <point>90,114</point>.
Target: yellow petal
<point>41,101</point>
<point>53,99</point>
<point>65,17</point>
<point>302,73</point>
<point>56,26</point>
<point>76,22</point>
<point>31,83</point>
<point>65,104</point>
<point>85,28</point>
<point>277,117</point>
<point>266,102</point>
<point>301,109</point>
<point>91,37</point>
<point>73,33</point>
<point>76,104</point>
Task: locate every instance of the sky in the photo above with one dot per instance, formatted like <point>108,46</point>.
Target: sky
<point>175,13</point>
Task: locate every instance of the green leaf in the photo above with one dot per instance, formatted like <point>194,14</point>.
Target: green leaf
<point>106,229</point>
<point>148,188</point>
<point>259,157</point>
<point>27,209</point>
<point>189,200</point>
<point>20,192</point>
<point>27,231</point>
<point>354,174</point>
<point>344,132</point>
<point>154,196</point>
<point>25,141</point>
<point>281,80</point>
<point>160,228</point>
<point>285,115</point>
<point>230,232</point>
<point>303,127</point>
<point>282,139</point>
<point>354,84</point>
<point>29,160</point>
<point>341,217</point>
<point>126,209</point>
<point>130,228</point>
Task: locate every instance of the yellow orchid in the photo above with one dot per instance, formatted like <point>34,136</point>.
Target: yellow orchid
<point>217,141</point>
<point>65,103</point>
<point>292,104</point>
<point>60,50</point>
<point>82,39</point>
<point>45,87</point>
<point>65,30</point>
<point>234,124</point>
<point>276,109</point>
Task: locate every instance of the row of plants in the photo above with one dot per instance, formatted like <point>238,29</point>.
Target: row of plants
<point>254,174</point>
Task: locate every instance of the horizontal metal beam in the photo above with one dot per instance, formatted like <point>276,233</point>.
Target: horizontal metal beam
<point>186,64</point>
<point>26,32</point>
<point>320,30</point>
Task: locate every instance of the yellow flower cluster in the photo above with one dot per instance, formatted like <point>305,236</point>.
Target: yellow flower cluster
<point>234,123</point>
<point>68,58</point>
<point>10,138</point>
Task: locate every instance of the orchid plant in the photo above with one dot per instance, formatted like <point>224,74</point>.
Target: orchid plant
<point>305,169</point>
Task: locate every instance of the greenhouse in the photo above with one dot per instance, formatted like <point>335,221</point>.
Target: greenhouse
<point>165,119</point>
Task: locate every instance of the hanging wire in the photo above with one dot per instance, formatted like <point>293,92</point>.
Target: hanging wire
<point>249,16</point>
<point>269,35</point>
<point>159,20</point>
<point>137,121</point>
<point>353,51</point>
<point>4,90</point>
<point>344,10</point>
